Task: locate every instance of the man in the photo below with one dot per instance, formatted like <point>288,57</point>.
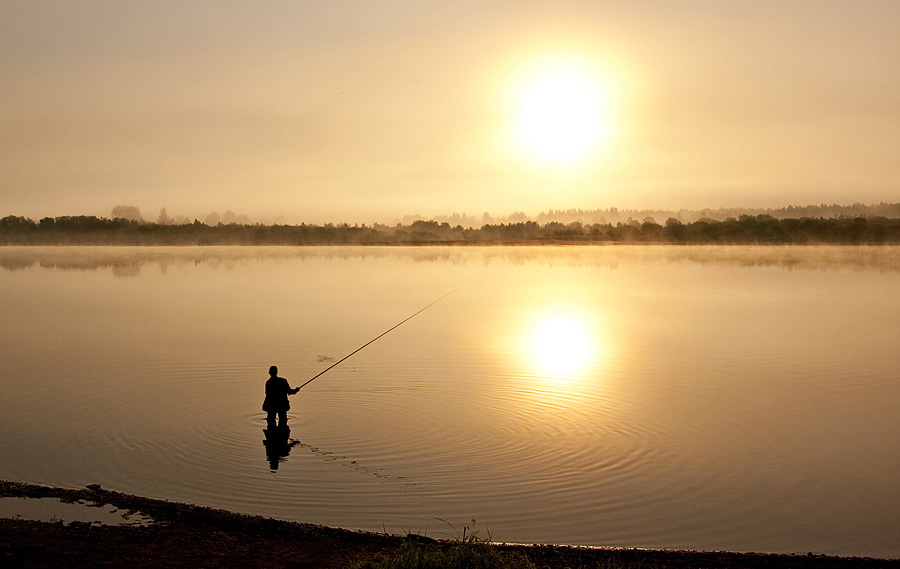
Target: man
<point>277,391</point>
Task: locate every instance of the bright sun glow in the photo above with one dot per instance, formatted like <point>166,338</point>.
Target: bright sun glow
<point>561,113</point>
<point>561,345</point>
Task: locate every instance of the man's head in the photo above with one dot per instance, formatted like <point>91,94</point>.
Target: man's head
<point>273,371</point>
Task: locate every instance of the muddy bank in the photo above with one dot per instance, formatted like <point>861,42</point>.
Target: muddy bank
<point>183,535</point>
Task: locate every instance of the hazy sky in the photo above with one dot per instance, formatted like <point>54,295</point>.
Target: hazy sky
<point>365,111</point>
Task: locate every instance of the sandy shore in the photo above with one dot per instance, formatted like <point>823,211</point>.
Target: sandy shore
<point>183,535</point>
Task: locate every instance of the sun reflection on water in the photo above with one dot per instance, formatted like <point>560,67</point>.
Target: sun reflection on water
<point>562,384</point>
<point>562,345</point>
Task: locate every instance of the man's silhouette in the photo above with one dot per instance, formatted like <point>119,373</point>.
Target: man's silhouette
<point>276,403</point>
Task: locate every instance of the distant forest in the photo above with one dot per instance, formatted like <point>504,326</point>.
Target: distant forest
<point>614,215</point>
<point>743,228</point>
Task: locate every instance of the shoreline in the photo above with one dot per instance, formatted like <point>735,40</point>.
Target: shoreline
<point>186,535</point>
<point>542,242</point>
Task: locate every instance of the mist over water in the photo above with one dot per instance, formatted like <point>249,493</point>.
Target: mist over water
<point>736,398</point>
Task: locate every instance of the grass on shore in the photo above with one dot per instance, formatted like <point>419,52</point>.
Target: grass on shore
<point>414,554</point>
<point>466,551</point>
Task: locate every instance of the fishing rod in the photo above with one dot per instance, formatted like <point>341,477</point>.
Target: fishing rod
<point>377,337</point>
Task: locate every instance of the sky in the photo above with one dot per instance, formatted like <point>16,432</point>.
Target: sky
<point>358,111</point>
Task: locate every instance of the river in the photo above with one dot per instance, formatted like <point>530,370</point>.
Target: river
<point>723,397</point>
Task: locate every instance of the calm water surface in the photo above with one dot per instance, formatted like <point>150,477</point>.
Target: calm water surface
<point>741,398</point>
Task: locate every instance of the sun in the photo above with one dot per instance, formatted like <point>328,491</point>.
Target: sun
<point>561,345</point>
<point>561,113</point>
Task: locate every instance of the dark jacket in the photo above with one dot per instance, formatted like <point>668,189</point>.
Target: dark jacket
<point>277,390</point>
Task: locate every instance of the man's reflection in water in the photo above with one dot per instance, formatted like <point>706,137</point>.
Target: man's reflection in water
<point>278,445</point>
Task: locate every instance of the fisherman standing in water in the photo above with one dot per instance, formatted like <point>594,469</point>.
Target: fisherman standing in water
<point>277,391</point>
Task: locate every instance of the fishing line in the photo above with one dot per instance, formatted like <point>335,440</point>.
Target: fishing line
<point>377,337</point>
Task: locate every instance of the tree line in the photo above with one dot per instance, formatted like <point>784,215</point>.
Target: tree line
<point>747,229</point>
<point>613,215</point>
